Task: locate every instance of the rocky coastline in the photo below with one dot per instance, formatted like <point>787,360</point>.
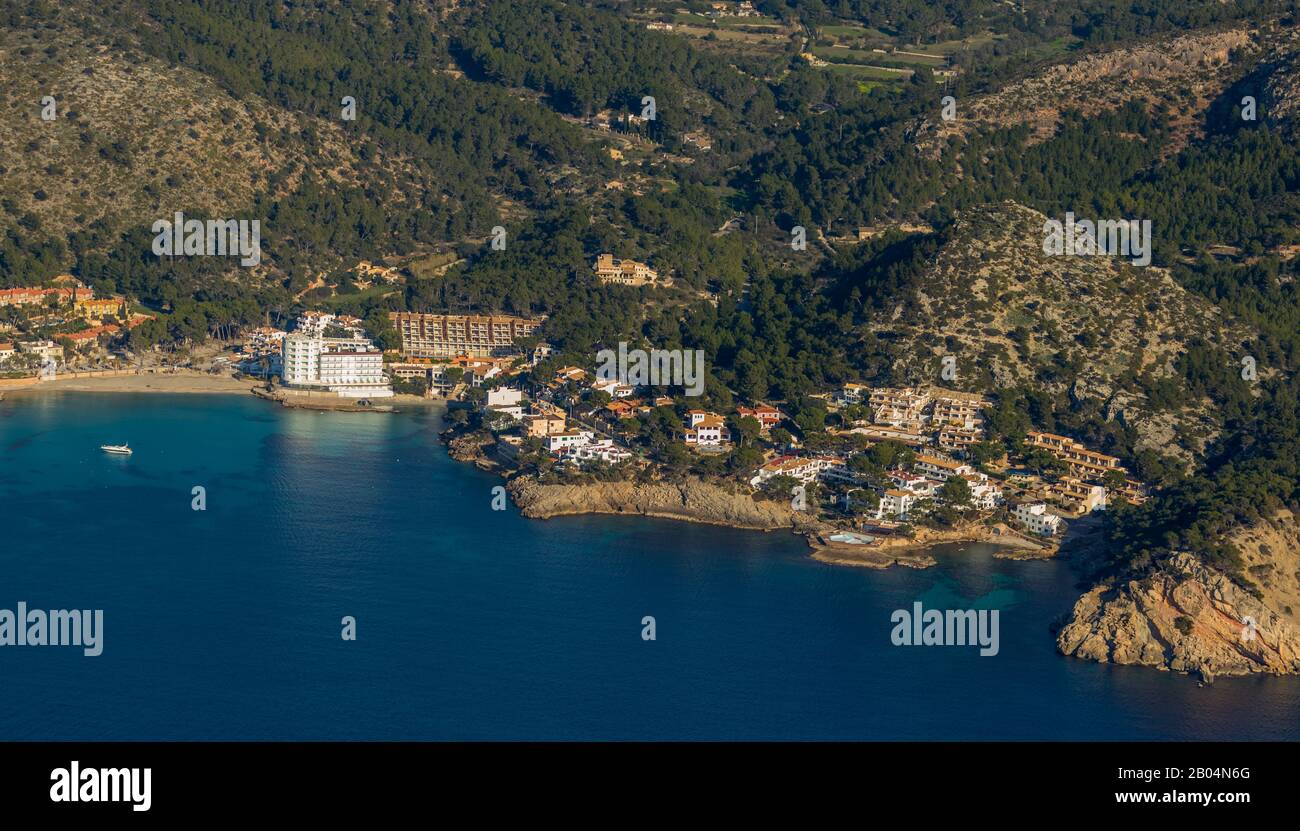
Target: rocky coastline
<point>1188,617</point>
<point>1184,617</point>
<point>691,499</point>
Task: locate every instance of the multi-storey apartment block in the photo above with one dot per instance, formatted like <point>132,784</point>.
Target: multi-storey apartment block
<point>1081,461</point>
<point>942,469</point>
<point>446,336</point>
<point>895,503</point>
<point>903,408</point>
<point>958,409</point>
<point>957,439</point>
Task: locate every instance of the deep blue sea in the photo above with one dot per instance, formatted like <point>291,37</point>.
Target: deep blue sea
<point>479,624</point>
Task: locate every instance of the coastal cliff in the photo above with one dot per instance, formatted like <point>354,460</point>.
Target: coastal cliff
<point>1188,617</point>
<point>692,499</point>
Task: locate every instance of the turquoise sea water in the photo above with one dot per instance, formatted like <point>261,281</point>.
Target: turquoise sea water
<point>471,623</point>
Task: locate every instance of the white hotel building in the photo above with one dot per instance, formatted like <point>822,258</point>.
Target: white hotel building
<point>349,367</point>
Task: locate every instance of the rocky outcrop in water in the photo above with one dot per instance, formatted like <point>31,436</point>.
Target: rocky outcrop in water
<point>469,447</point>
<point>1185,617</point>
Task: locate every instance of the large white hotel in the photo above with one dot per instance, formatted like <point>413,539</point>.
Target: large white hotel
<point>350,367</point>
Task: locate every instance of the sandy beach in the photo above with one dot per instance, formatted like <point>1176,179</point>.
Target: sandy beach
<point>172,382</point>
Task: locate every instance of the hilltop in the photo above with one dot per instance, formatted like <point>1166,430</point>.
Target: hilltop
<point>1184,74</point>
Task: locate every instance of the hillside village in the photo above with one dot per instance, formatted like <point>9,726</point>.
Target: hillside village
<point>896,457</point>
<point>902,457</point>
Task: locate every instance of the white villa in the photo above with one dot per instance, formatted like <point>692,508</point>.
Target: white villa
<point>567,440</point>
<point>1034,516</point>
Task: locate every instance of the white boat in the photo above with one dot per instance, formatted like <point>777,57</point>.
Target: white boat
<point>120,449</point>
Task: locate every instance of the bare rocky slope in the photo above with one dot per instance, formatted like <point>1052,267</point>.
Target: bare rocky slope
<point>1281,99</point>
<point>1185,72</point>
<point>133,140</point>
<point>1012,315</point>
<point>1190,618</point>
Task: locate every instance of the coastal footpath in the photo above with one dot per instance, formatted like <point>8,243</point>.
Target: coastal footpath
<point>1190,618</point>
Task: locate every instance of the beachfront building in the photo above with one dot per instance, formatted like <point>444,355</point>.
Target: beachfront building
<point>1036,518</point>
<point>895,503</point>
<point>623,272</point>
<point>805,470</point>
<point>90,335</point>
<point>47,349</point>
<point>263,352</point>
<point>434,374</point>
<point>447,336</point>
<point>348,367</point>
<point>504,396</point>
<point>506,401</point>
<point>513,412</point>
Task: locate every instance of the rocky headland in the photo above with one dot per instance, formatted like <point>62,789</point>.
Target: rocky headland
<point>1188,617</point>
